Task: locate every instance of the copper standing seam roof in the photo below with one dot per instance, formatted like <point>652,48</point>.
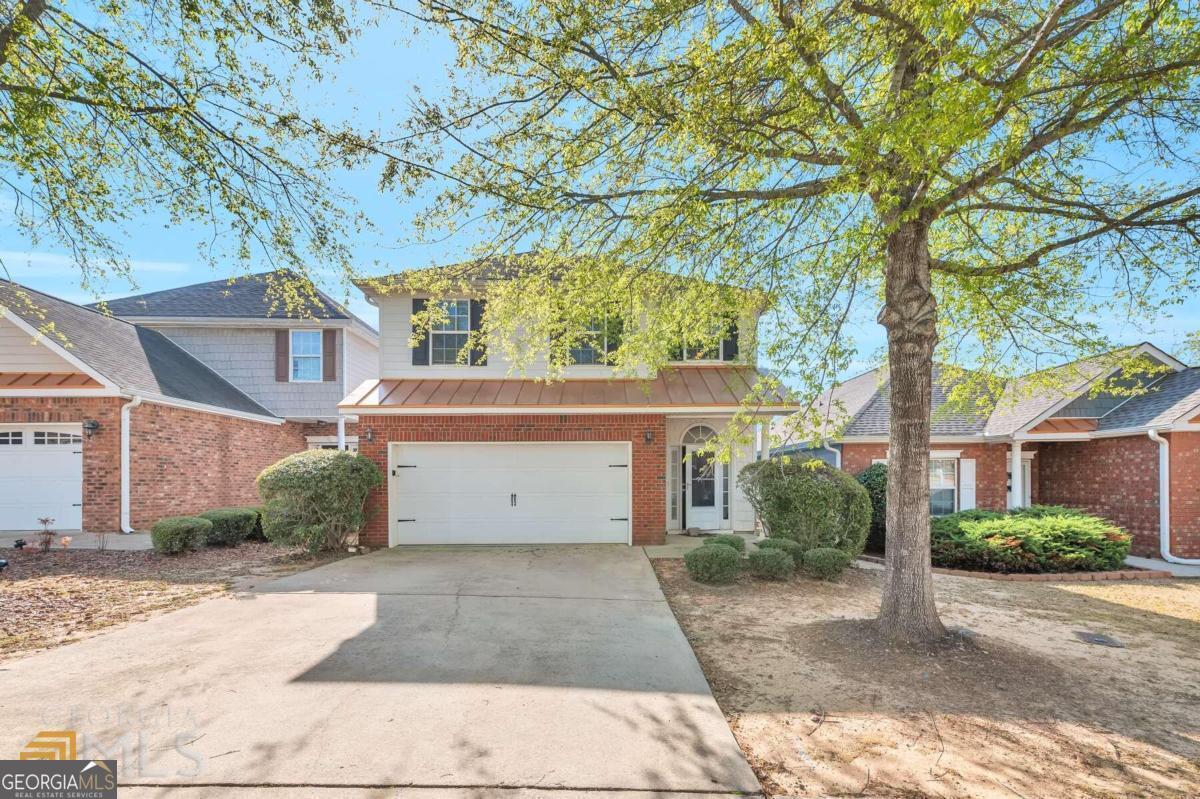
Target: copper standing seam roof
<point>687,386</point>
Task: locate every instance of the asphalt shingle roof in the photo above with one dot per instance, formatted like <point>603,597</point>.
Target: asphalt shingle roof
<point>137,359</point>
<point>242,297</point>
<point>1164,402</point>
<point>874,418</point>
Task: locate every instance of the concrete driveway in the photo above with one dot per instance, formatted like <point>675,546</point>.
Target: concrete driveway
<point>447,671</point>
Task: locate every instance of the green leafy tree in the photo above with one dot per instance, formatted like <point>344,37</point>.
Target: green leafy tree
<point>111,111</point>
<point>991,179</point>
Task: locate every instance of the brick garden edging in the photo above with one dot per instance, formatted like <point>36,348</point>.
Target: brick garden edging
<point>1063,577</point>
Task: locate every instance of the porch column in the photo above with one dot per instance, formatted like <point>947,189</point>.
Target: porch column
<point>341,440</point>
<point>764,441</point>
<point>1017,494</point>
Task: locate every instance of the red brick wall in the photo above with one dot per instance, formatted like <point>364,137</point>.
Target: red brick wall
<point>1185,494</point>
<point>649,459</point>
<point>101,452</point>
<point>186,461</point>
<point>991,467</point>
<point>1116,478</point>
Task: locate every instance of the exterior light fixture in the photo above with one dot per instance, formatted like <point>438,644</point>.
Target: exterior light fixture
<point>90,426</point>
<point>649,436</point>
<point>370,434</point>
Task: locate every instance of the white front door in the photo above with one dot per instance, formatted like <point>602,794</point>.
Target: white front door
<point>41,476</point>
<point>703,494</point>
<point>509,493</point>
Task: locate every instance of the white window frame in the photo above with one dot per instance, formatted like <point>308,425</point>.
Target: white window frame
<point>434,333</point>
<point>320,356</point>
<point>718,358</point>
<point>597,334</point>
<point>937,456</point>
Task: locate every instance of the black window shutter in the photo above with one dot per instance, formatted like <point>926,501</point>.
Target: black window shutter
<point>729,347</point>
<point>478,353</point>
<point>420,353</point>
<point>615,326</point>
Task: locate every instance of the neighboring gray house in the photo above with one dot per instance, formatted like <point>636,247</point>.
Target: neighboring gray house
<point>296,363</point>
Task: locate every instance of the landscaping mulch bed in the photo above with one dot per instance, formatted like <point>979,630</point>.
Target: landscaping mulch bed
<point>1130,573</point>
<point>1021,707</point>
<point>63,595</point>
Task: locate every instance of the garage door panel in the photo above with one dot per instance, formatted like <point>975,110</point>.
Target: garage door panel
<point>41,475</point>
<point>463,493</point>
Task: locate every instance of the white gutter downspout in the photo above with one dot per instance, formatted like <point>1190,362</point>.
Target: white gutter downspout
<point>837,453</point>
<point>1164,502</point>
<point>126,526</point>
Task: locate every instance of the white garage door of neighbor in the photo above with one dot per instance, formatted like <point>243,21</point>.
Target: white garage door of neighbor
<point>41,475</point>
<point>519,493</point>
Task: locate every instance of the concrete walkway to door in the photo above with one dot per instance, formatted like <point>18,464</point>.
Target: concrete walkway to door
<point>472,671</point>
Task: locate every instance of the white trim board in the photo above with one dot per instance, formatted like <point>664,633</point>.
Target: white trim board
<point>57,348</point>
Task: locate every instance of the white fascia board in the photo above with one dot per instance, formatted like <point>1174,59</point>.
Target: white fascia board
<point>977,439</point>
<point>159,399</point>
<point>552,410</point>
<point>56,348</point>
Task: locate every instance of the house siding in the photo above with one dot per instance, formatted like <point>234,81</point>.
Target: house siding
<point>991,468</point>
<point>649,458</point>
<point>362,361</point>
<point>246,358</point>
<point>1116,478</point>
<point>1185,494</point>
<point>187,462</point>
<point>20,352</point>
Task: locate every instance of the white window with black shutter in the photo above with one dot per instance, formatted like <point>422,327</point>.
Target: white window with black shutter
<point>448,336</point>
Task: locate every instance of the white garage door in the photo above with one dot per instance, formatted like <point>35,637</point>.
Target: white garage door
<point>41,474</point>
<point>543,493</point>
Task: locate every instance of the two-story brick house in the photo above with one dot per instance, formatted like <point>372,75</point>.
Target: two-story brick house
<point>109,423</point>
<point>477,455</point>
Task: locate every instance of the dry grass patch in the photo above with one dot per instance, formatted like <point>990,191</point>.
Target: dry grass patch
<point>51,599</point>
<point>823,707</point>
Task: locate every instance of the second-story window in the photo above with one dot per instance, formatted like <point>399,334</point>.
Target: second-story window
<point>724,350</point>
<point>306,356</point>
<point>448,337</point>
<point>599,341</point>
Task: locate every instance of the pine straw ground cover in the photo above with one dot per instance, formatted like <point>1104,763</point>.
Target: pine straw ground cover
<point>64,595</point>
<point>822,707</point>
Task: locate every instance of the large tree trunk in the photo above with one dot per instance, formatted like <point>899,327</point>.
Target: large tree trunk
<point>908,612</point>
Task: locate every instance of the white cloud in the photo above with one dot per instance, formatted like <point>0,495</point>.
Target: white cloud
<point>52,263</point>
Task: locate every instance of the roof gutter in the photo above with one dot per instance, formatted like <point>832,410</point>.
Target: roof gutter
<point>1164,502</point>
<point>126,526</point>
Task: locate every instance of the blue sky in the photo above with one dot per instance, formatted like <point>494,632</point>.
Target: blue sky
<point>372,88</point>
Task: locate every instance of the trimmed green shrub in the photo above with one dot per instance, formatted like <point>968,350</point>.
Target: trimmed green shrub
<point>809,502</point>
<point>735,541</point>
<point>175,534</point>
<point>787,545</point>
<point>874,479</point>
<point>256,533</point>
<point>771,564</point>
<point>315,498</point>
<point>1040,539</point>
<point>230,526</point>
<point>714,563</point>
<point>826,563</point>
<point>1042,511</point>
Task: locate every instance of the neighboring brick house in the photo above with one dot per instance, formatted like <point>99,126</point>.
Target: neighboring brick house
<point>1132,459</point>
<point>475,456</point>
<point>297,362</point>
<point>108,425</point>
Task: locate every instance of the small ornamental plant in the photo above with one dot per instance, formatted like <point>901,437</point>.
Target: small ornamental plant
<point>713,563</point>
